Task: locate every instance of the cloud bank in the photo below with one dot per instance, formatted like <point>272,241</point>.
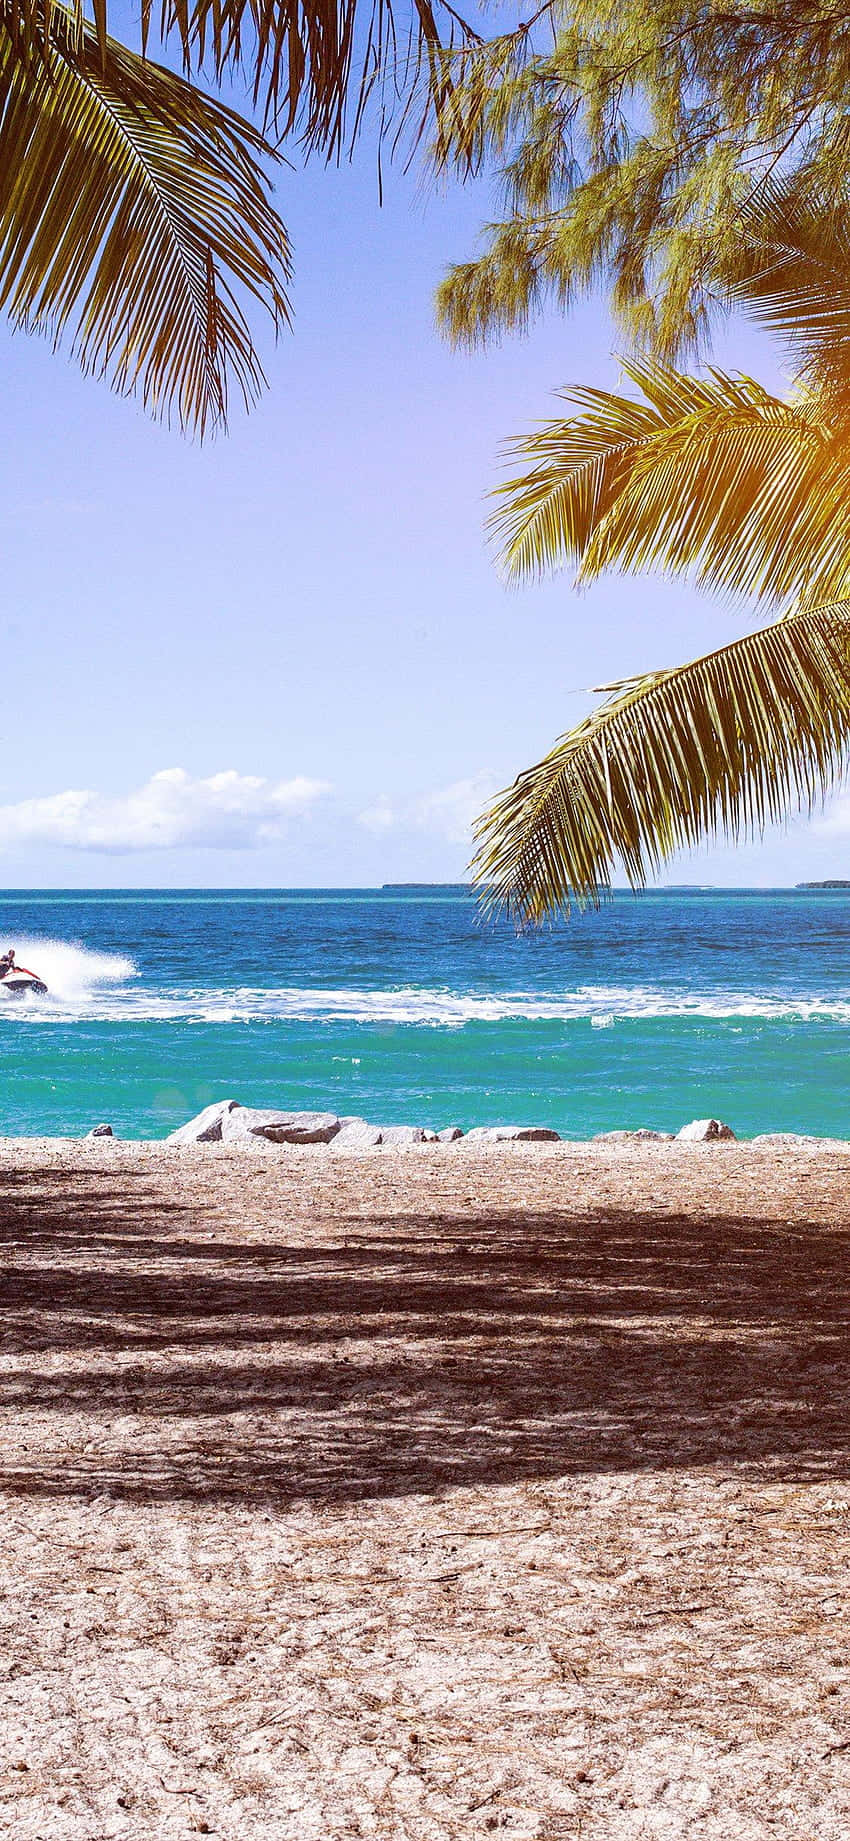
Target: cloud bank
<point>835,820</point>
<point>227,811</point>
<point>449,812</point>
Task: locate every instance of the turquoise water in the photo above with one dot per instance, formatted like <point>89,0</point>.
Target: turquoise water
<point>402,1007</point>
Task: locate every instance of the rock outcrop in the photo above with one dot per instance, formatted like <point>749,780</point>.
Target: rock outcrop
<point>101,1131</point>
<point>449,1134</point>
<point>705,1131</point>
<point>356,1135</point>
<point>279,1127</point>
<point>402,1135</point>
<point>206,1127</point>
<point>512,1134</point>
<point>643,1135</point>
<point>790,1138</point>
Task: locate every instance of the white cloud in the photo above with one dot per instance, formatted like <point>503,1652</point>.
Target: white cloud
<point>835,821</point>
<point>448,812</point>
<point>227,811</point>
<point>451,811</point>
<point>379,817</point>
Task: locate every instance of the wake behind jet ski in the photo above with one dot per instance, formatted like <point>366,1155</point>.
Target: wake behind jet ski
<point>16,980</point>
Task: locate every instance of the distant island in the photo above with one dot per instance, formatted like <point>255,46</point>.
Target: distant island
<point>834,882</point>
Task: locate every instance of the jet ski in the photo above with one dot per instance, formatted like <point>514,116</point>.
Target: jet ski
<point>21,983</point>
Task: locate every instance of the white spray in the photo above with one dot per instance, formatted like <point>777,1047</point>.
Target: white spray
<point>71,973</point>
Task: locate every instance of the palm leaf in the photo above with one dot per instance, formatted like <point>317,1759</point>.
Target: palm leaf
<point>317,62</point>
<point>713,474</point>
<point>134,219</point>
<point>311,63</point>
<point>791,272</point>
<point>579,466</point>
<point>723,745</point>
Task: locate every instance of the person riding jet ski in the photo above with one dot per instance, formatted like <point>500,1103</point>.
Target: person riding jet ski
<point>16,979</point>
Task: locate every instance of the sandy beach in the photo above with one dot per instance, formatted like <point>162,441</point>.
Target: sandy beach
<point>423,1495</point>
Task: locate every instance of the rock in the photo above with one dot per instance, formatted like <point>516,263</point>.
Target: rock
<point>643,1135</point>
<point>279,1127</point>
<point>205,1128</point>
<point>513,1134</point>
<point>101,1131</point>
<point>356,1135</point>
<point>705,1131</point>
<point>428,1136</point>
<point>449,1134</point>
<point>399,1135</point>
<point>786,1137</point>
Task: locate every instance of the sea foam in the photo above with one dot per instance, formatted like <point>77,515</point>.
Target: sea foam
<point>105,987</point>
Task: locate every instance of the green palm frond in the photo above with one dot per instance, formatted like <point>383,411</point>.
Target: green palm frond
<point>316,63</point>
<point>310,63</point>
<point>723,745</point>
<point>791,272</point>
<point>578,467</point>
<point>134,219</point>
<point>711,474</point>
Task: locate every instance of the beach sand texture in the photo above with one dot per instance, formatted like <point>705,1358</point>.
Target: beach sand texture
<point>441,1493</point>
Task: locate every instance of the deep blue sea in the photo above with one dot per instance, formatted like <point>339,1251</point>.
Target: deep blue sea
<point>401,1006</point>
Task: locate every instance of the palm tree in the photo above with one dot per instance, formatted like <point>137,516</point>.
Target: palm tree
<point>135,216</point>
<point>747,492</point>
<point>135,212</point>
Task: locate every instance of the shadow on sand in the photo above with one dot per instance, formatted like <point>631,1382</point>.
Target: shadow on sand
<point>436,1349</point>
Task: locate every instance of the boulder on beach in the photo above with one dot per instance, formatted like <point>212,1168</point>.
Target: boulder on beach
<point>512,1134</point>
<point>449,1134</point>
<point>206,1127</point>
<point>401,1135</point>
<point>356,1135</point>
<point>244,1122</point>
<point>643,1135</point>
<point>705,1131</point>
<point>780,1138</point>
<point>101,1131</point>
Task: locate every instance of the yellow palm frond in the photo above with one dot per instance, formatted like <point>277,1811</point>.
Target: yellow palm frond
<point>135,219</point>
<point>722,745</point>
<point>713,474</point>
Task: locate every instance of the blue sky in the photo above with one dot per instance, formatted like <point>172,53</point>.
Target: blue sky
<point>287,658</point>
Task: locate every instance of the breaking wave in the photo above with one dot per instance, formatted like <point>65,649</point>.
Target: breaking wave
<point>105,987</point>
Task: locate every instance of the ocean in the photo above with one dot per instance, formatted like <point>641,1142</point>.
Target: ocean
<point>401,1006</point>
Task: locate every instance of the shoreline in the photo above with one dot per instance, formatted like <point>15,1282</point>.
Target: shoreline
<point>601,1145</point>
<point>229,1122</point>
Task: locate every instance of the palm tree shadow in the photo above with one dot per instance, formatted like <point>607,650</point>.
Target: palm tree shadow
<point>150,1357</point>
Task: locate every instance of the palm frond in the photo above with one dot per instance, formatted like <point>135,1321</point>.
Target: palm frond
<point>135,219</point>
<point>580,464</point>
<point>316,63</point>
<point>712,474</point>
<point>723,745</point>
<point>791,272</point>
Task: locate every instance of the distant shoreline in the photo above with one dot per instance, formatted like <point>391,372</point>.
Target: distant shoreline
<point>244,892</point>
